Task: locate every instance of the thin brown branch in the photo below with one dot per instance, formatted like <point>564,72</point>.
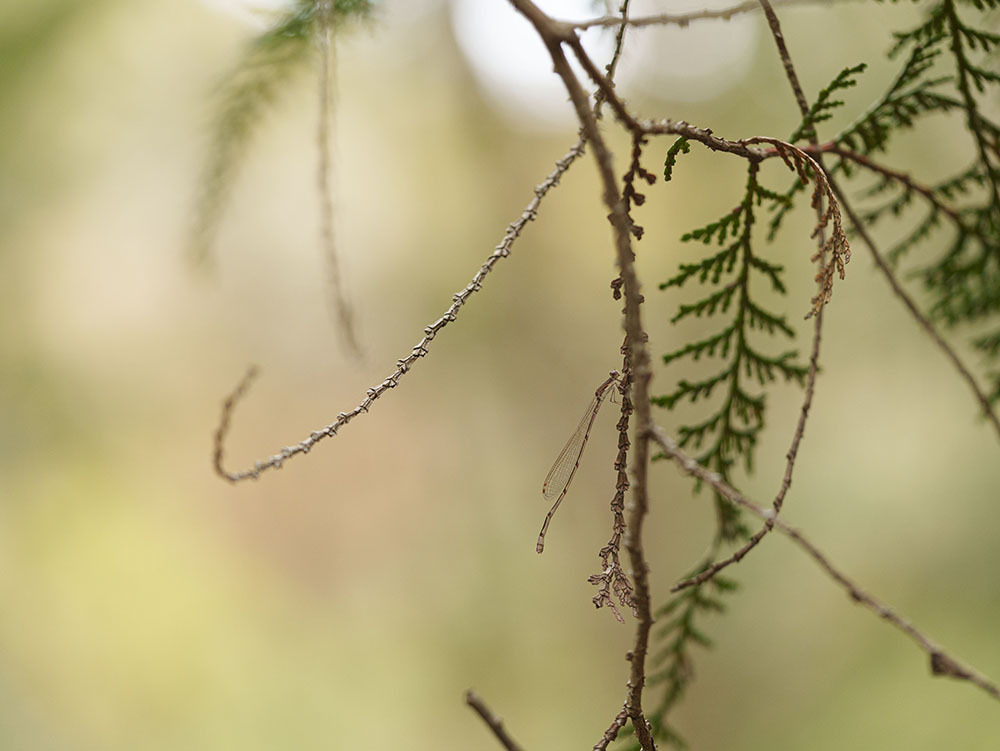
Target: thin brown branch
<point>403,365</point>
<point>553,35</point>
<point>800,100</point>
<point>786,480</point>
<point>638,128</point>
<point>683,19</point>
<point>493,722</point>
<point>616,55</point>
<point>786,59</point>
<point>227,413</point>
<point>919,317</point>
<point>941,662</point>
<point>599,96</point>
<point>605,87</point>
<point>703,136</point>
<point>612,732</point>
<point>612,577</point>
<point>901,177</point>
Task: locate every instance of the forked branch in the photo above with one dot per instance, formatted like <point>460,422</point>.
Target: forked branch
<point>685,19</point>
<point>554,35</point>
<point>941,662</point>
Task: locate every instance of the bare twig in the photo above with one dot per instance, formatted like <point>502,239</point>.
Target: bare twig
<point>786,59</point>
<point>941,662</point>
<point>786,480</point>
<point>403,365</point>
<point>901,177</point>
<point>616,55</point>
<point>554,35</point>
<point>612,578</point>
<point>227,413</point>
<point>919,317</point>
<point>492,721</point>
<point>683,19</point>
<point>612,732</point>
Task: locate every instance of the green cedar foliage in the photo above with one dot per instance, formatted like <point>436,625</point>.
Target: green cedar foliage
<point>944,69</point>
<point>735,397</point>
<point>266,69</point>
<point>963,278</point>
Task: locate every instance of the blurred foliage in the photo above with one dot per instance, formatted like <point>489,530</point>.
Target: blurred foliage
<point>30,36</point>
<point>266,70</point>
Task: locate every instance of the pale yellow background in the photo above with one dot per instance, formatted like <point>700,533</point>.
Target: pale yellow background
<point>349,600</point>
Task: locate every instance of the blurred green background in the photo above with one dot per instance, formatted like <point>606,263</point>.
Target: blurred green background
<point>350,599</point>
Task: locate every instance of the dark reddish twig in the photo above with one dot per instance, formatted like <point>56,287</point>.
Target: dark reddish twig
<point>612,732</point>
<point>493,722</point>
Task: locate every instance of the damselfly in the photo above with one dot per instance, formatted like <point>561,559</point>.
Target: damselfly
<point>561,475</point>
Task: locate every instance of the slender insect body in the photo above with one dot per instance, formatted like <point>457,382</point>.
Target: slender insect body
<point>558,479</point>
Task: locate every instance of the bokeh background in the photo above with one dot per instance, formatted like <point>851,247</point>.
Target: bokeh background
<point>350,599</point>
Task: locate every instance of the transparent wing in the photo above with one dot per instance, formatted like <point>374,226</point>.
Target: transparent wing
<point>569,458</point>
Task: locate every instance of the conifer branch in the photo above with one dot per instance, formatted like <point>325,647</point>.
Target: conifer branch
<point>810,116</point>
<point>962,37</point>
<point>244,97</point>
<point>966,281</point>
<point>966,375</point>
<point>269,63</point>
<point>926,191</point>
<point>786,59</point>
